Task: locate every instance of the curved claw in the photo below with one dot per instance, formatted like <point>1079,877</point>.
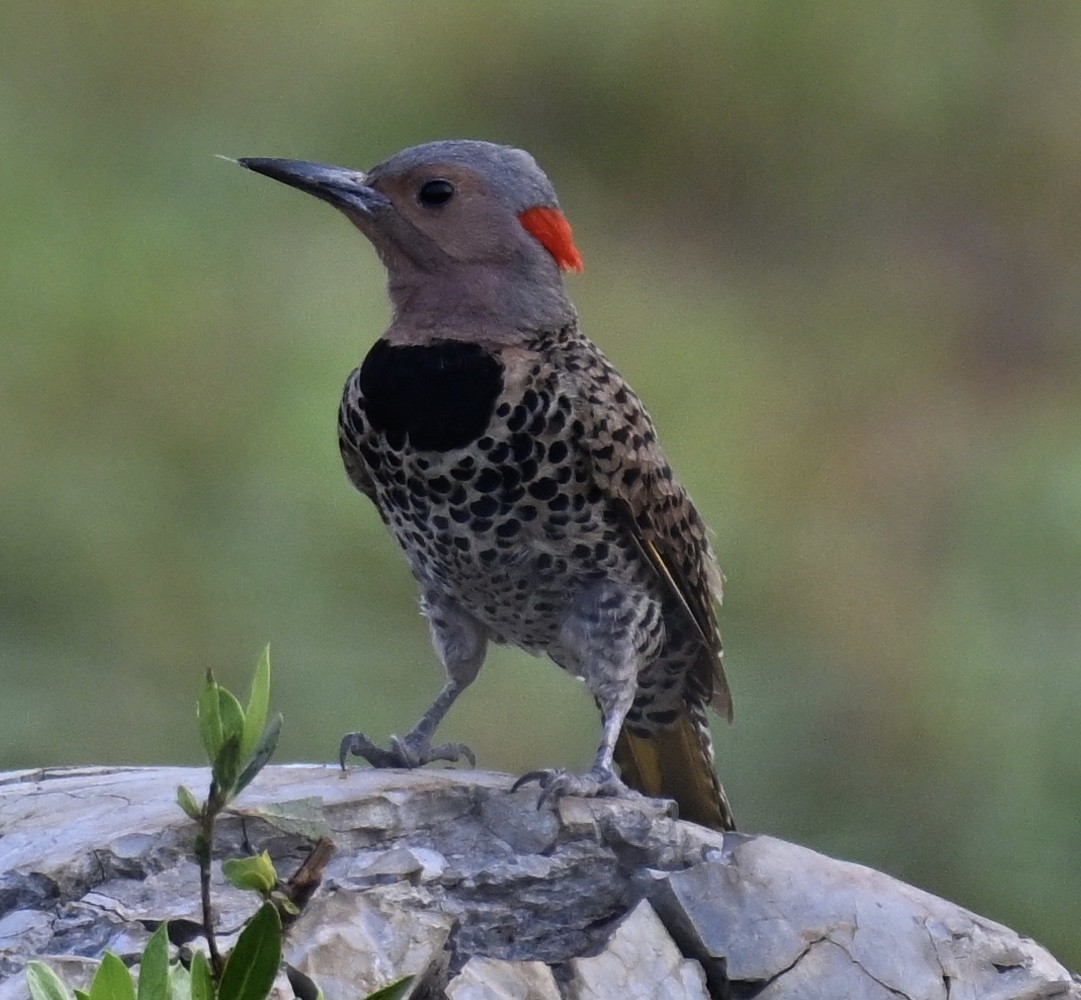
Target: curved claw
<point>542,777</point>
<point>358,745</point>
<point>402,752</point>
<point>556,782</point>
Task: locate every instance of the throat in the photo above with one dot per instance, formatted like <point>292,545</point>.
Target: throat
<point>493,303</point>
<point>440,396</point>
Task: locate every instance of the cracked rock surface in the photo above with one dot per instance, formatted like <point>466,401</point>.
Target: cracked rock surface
<point>447,876</point>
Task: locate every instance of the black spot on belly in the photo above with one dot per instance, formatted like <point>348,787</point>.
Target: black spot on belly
<point>484,507</point>
<point>440,395</point>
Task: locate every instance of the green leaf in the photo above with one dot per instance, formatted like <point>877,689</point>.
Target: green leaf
<point>303,817</point>
<point>44,983</point>
<point>210,718</point>
<point>179,982</point>
<point>302,986</point>
<point>220,716</point>
<point>255,873</point>
<point>232,715</point>
<point>252,965</point>
<point>202,981</point>
<point>112,981</point>
<point>154,966</point>
<point>393,991</point>
<point>258,704</point>
<point>82,995</point>
<point>263,750</point>
<point>188,802</point>
<point>226,766</point>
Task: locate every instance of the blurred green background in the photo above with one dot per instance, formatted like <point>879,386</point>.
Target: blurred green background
<point>834,246</point>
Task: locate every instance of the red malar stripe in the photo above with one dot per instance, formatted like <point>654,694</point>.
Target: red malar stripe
<point>551,228</point>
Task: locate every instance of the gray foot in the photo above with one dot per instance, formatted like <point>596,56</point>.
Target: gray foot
<point>595,783</point>
<point>404,753</point>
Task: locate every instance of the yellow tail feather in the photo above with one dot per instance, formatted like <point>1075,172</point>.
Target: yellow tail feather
<point>674,764</point>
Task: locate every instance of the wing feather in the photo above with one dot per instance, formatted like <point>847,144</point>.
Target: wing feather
<point>654,508</point>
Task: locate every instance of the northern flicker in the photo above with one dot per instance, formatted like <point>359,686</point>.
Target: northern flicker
<point>520,473</point>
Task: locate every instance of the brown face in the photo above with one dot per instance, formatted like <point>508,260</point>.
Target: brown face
<point>455,201</point>
<point>470,233</point>
<point>457,209</point>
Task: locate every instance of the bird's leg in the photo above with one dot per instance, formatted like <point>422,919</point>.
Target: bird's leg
<point>601,634</point>
<point>460,641</point>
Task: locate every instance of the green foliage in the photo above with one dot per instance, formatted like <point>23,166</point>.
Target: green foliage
<point>202,978</point>
<point>112,981</point>
<point>155,982</point>
<point>253,963</point>
<point>233,738</point>
<point>221,720</point>
<point>238,743</point>
<point>260,754</point>
<point>45,984</point>
<point>255,717</point>
<point>187,802</point>
<point>255,873</point>
<point>393,991</point>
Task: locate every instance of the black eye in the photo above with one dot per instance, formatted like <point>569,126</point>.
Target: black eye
<point>437,192</point>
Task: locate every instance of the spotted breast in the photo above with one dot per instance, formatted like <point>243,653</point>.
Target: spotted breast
<point>480,466</point>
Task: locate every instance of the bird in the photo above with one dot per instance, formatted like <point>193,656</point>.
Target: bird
<point>521,475</point>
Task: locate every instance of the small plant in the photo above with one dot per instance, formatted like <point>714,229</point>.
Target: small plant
<point>158,980</point>
<point>239,741</point>
<point>238,744</point>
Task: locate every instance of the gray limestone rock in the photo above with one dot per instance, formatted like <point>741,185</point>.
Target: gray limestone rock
<point>449,877</point>
<point>352,943</point>
<point>771,913</point>
<point>639,962</point>
<point>497,979</point>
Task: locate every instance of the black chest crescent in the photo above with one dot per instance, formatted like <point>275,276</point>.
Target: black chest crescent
<point>440,396</point>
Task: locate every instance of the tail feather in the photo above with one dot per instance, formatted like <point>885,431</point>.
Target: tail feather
<point>676,763</point>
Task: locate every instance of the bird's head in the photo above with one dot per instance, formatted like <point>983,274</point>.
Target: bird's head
<point>470,232</point>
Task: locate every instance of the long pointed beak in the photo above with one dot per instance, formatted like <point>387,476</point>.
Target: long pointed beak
<point>342,188</point>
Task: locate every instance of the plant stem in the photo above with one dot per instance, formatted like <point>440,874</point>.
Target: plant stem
<point>203,851</point>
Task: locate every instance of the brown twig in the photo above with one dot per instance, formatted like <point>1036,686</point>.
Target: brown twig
<point>306,879</point>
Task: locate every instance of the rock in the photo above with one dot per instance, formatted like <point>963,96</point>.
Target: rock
<point>497,979</point>
<point>782,919</point>
<point>351,944</point>
<point>640,962</point>
<point>448,876</point>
